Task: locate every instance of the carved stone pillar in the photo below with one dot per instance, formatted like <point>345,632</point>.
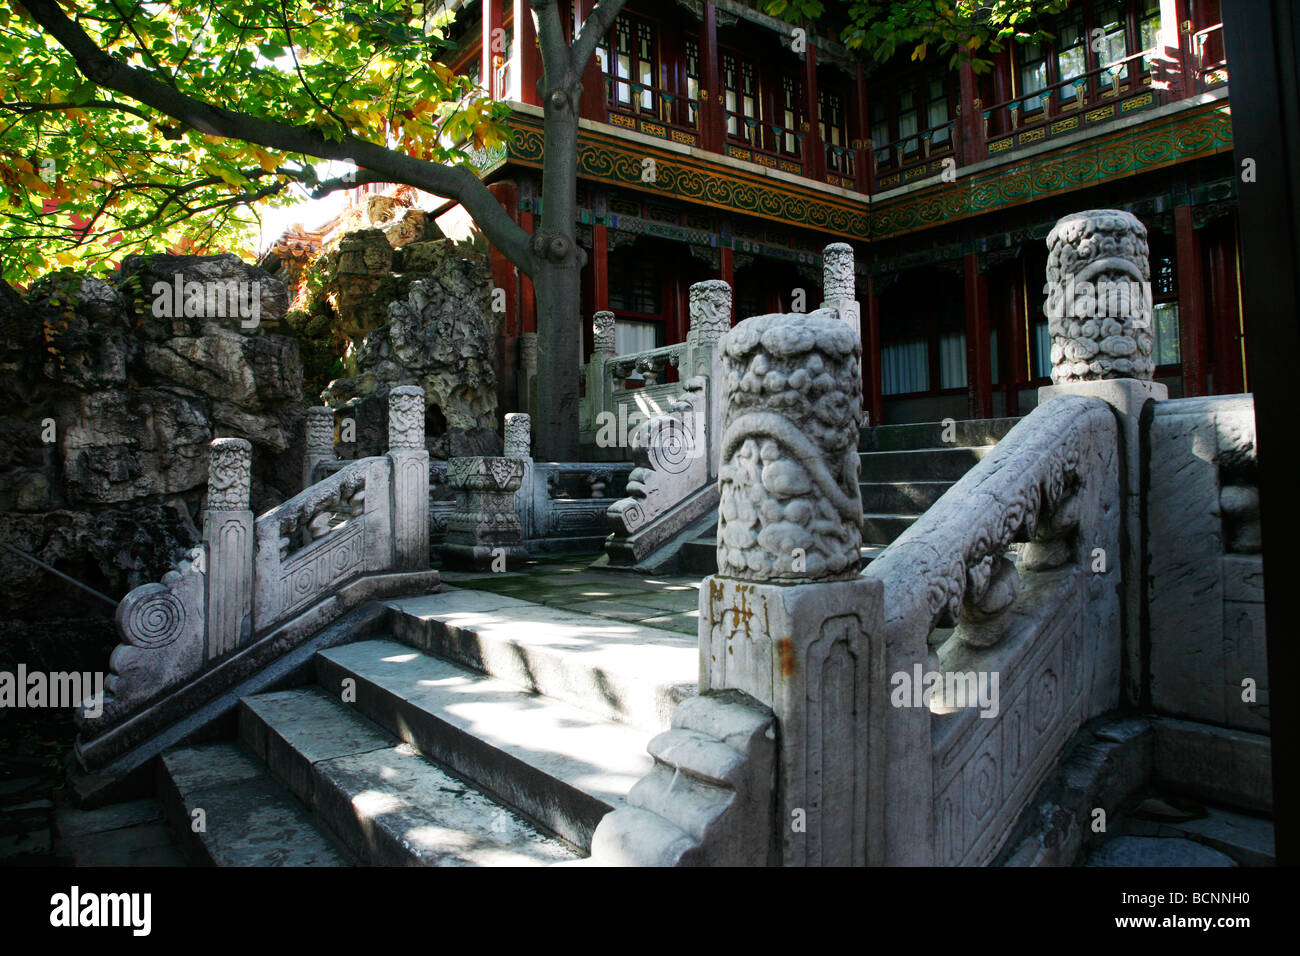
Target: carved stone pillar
<point>603,335</point>
<point>519,445</point>
<point>518,435</point>
<point>787,619</point>
<point>1099,314</point>
<point>410,483</point>
<point>839,287</point>
<point>1098,307</point>
<point>597,397</point>
<point>228,533</point>
<point>484,532</point>
<point>710,308</point>
<point>320,440</point>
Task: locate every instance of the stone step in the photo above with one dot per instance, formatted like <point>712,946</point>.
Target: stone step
<point>924,464</point>
<point>559,766</point>
<point>229,811</point>
<point>382,799</point>
<point>880,530</point>
<point>614,669</point>
<point>901,497</point>
<point>920,435</point>
<point>700,556</point>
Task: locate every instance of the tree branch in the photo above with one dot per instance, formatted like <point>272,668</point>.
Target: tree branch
<point>557,60</point>
<point>596,26</point>
<point>453,182</point>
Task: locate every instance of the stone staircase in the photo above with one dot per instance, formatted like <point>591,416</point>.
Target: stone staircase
<point>905,470</point>
<point>485,730</point>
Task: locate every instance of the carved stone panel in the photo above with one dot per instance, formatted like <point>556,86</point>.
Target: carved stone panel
<point>1099,309</point>
<point>790,506</point>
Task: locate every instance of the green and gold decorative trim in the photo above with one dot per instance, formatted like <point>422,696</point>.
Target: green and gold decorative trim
<point>1202,131</point>
<point>608,158</point>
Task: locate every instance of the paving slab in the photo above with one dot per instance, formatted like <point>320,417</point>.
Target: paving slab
<point>402,810</point>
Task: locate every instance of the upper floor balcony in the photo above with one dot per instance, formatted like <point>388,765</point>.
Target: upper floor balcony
<point>723,78</point>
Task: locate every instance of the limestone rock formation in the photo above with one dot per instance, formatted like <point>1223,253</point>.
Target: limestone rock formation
<point>441,336</point>
<point>115,387</point>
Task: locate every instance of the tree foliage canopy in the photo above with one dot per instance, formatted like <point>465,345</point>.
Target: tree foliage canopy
<point>964,31</point>
<point>87,172</point>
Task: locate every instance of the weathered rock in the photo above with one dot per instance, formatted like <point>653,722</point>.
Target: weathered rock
<point>152,283</point>
<point>423,256</point>
<point>112,403</point>
<point>112,550</point>
<point>89,342</point>
<point>410,226</point>
<point>120,445</point>
<point>253,371</point>
<point>442,337</point>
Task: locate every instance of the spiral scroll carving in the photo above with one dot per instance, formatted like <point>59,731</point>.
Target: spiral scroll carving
<point>152,616</point>
<point>670,446</point>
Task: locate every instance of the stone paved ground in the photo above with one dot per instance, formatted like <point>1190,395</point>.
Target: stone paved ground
<point>668,602</point>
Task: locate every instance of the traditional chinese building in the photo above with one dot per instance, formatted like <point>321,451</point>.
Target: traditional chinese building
<point>719,142</point>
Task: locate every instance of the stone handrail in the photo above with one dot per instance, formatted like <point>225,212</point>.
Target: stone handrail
<point>1037,636</point>
<point>561,505</point>
<point>606,402</point>
<point>1027,490</point>
<point>261,586</point>
<point>329,533</point>
<point>676,451</point>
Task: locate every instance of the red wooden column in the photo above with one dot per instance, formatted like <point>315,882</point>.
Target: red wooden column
<point>1191,303</point>
<point>814,157</point>
<point>862,155</point>
<point>599,268</point>
<point>493,45</point>
<point>970,122</point>
<point>592,104</point>
<point>979,374</point>
<point>1017,365</point>
<point>871,390</point>
<point>528,57</point>
<point>1226,317</point>
<point>710,111</point>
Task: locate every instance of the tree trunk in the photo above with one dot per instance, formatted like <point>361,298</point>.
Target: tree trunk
<point>558,262</point>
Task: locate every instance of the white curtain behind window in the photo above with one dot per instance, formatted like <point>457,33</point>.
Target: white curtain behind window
<point>632,337</point>
<point>952,360</point>
<point>905,367</point>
